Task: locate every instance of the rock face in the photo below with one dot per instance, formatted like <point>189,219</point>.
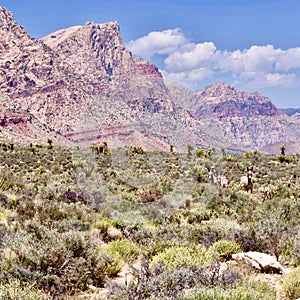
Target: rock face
<point>260,261</point>
<point>81,85</point>
<point>240,120</point>
<point>82,80</point>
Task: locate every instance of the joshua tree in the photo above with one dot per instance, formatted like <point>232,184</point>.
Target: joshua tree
<point>50,144</point>
<point>282,148</point>
<point>100,149</point>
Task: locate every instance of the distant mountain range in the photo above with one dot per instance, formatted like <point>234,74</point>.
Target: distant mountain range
<point>290,111</point>
<point>80,86</point>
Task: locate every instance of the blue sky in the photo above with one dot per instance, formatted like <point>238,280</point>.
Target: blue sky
<point>254,45</point>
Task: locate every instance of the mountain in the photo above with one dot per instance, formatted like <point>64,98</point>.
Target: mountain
<point>290,111</point>
<point>81,85</point>
<point>239,120</point>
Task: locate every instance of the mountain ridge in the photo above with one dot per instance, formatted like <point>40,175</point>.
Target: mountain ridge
<point>84,85</point>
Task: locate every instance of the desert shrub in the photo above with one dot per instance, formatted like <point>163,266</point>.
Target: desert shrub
<point>157,239</point>
<point>283,191</point>
<point>8,201</point>
<point>162,283</point>
<point>204,193</point>
<point>62,216</point>
<point>181,256</point>
<point>10,181</point>
<point>122,249</point>
<point>58,263</point>
<point>201,153</point>
<point>14,289</point>
<point>291,284</point>
<point>214,230</point>
<point>198,215</point>
<point>103,224</point>
<point>150,239</point>
<point>283,158</point>
<point>274,222</point>
<point>224,249</point>
<point>26,208</point>
<point>235,204</point>
<point>253,291</point>
<point>153,213</point>
<point>225,225</point>
<point>51,240</point>
<point>289,246</point>
<point>245,239</point>
<point>205,235</point>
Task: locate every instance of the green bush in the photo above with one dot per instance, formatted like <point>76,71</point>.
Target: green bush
<point>14,290</point>
<point>122,249</point>
<point>224,249</point>
<point>291,284</point>
<point>283,158</point>
<point>103,224</point>
<point>181,256</point>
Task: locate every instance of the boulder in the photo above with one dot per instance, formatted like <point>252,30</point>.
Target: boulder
<point>261,261</point>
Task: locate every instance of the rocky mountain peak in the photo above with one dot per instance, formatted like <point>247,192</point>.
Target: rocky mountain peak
<point>82,82</point>
<point>224,100</point>
<point>11,31</point>
<point>238,118</point>
<point>220,92</point>
<point>96,53</point>
<point>6,19</point>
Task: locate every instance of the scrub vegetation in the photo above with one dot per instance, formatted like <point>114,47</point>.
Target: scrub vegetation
<point>71,219</point>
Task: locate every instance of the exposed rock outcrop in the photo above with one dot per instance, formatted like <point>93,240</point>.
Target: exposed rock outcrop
<point>260,261</point>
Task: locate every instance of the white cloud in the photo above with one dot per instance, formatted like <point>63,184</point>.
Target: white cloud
<point>274,80</point>
<point>190,57</point>
<point>289,59</point>
<point>158,42</point>
<point>248,63</point>
<point>190,78</point>
<point>189,63</point>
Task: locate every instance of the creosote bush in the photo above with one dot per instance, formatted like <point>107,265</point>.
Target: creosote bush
<point>224,249</point>
<point>122,249</point>
<point>14,290</point>
<point>160,282</point>
<point>58,263</point>
<point>291,284</point>
<point>181,256</point>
